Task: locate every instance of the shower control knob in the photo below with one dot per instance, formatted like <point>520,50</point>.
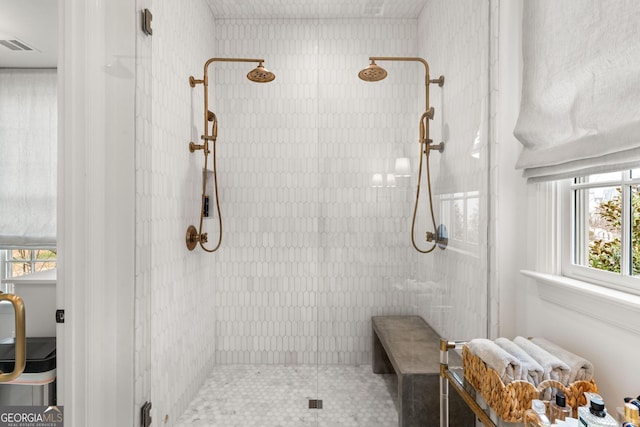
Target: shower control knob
<point>204,238</point>
<point>430,237</point>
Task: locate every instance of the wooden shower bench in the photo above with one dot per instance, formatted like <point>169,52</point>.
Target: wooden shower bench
<point>410,348</point>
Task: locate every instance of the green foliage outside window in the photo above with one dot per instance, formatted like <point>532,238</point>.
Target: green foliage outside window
<point>606,254</point>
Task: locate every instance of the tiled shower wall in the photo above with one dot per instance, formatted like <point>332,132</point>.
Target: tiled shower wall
<point>311,250</point>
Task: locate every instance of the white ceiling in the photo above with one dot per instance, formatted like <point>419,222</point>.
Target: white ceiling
<point>35,22</point>
<point>313,9</point>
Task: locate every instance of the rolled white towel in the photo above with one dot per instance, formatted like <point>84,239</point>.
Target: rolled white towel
<point>554,368</point>
<point>505,365</point>
<point>531,370</point>
<point>580,369</point>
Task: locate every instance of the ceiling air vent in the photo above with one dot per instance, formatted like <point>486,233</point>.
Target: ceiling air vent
<point>374,8</point>
<point>16,45</point>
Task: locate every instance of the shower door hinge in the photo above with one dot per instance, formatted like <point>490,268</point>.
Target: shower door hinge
<point>147,17</point>
<point>59,316</point>
<point>315,404</point>
<point>145,415</point>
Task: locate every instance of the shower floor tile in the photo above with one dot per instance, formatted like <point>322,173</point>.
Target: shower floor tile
<point>278,396</point>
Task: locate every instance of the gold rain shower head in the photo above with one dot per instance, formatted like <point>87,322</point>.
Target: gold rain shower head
<point>373,73</point>
<point>261,74</point>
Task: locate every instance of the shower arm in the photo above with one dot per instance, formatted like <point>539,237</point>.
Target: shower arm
<point>427,80</point>
<point>205,81</point>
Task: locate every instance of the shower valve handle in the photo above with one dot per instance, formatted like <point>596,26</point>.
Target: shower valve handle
<point>195,237</point>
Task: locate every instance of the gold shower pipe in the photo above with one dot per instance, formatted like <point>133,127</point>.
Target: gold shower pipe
<point>258,75</point>
<point>205,80</point>
<point>439,80</point>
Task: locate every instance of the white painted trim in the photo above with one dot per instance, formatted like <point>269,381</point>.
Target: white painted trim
<point>507,188</point>
<point>608,305</point>
<point>629,284</point>
<point>96,222</point>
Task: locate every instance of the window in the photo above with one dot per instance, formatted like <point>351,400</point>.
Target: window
<point>604,234</point>
<point>462,212</point>
<point>20,262</point>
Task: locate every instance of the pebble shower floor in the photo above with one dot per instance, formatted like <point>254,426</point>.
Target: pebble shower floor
<point>278,396</point>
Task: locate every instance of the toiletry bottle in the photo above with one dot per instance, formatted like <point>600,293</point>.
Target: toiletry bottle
<point>635,402</point>
<point>595,415</point>
<point>631,413</point>
<point>539,407</point>
<point>559,410</point>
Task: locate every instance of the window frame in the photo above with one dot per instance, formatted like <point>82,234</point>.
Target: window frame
<point>6,262</point>
<point>568,220</point>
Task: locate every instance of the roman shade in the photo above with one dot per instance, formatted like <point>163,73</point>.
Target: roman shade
<point>28,159</point>
<point>580,111</point>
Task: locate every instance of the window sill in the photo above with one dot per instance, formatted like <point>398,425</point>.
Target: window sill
<point>617,308</point>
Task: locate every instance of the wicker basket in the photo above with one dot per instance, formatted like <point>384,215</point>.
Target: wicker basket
<point>510,401</point>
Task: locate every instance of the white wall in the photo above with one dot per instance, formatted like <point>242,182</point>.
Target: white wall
<point>96,205</point>
<point>509,190</point>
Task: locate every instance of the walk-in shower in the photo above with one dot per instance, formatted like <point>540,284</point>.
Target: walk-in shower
<point>258,75</point>
<point>374,73</point>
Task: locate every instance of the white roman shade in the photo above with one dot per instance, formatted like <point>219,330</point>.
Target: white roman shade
<point>580,111</point>
<point>28,159</point>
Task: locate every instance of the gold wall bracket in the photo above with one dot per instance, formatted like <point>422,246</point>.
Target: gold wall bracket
<point>438,147</point>
<point>193,147</point>
<point>439,80</point>
<point>193,81</point>
<point>430,113</point>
